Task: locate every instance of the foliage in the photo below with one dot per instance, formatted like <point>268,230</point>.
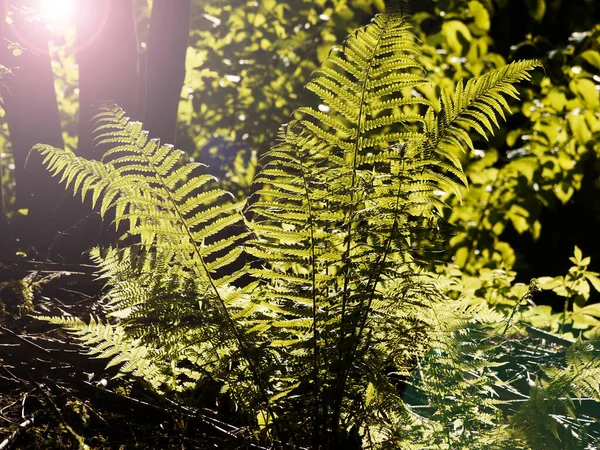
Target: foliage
<point>515,392</point>
<point>575,287</point>
<point>556,142</point>
<point>524,171</point>
<point>339,302</point>
<point>541,167</point>
<point>246,67</point>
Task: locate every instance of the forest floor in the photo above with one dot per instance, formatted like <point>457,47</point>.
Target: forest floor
<point>54,396</point>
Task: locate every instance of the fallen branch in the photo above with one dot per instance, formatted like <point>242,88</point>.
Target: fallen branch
<point>5,444</point>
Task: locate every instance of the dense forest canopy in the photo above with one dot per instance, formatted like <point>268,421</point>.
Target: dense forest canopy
<point>378,229</point>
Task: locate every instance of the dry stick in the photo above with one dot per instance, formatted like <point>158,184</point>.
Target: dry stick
<point>62,419</point>
<point>24,340</point>
<point>5,444</point>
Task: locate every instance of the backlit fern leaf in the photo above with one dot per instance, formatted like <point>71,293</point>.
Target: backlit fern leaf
<point>164,200</point>
<point>547,420</point>
<point>476,105</point>
<point>174,279</point>
<point>111,342</point>
<point>342,194</point>
<point>346,192</point>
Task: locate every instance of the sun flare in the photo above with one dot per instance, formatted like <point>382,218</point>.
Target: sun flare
<point>58,11</point>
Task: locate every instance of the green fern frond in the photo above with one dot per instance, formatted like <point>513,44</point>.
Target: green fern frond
<point>186,232</point>
<point>164,201</point>
<point>476,105</point>
<point>111,342</point>
<point>343,194</point>
<point>548,419</point>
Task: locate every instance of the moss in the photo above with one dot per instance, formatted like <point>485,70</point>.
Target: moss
<point>16,299</point>
<point>2,312</point>
<point>76,413</point>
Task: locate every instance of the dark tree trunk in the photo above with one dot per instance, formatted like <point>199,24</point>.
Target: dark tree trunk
<point>4,223</point>
<point>165,66</point>
<point>32,117</point>
<point>107,54</point>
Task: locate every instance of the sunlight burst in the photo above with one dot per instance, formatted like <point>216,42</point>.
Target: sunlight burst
<point>58,11</point>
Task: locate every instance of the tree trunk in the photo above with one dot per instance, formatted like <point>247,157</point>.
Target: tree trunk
<point>32,117</point>
<point>165,66</point>
<point>107,54</point>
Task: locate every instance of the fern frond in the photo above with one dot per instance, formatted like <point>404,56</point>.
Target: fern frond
<point>343,195</point>
<point>188,234</point>
<point>476,105</point>
<point>337,302</point>
<point>111,342</point>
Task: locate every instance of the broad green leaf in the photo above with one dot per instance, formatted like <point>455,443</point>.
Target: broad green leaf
<point>548,283</point>
<point>586,90</point>
<point>480,14</point>
<point>456,33</point>
<point>592,57</point>
<point>578,255</point>
<point>593,279</point>
<point>536,8</point>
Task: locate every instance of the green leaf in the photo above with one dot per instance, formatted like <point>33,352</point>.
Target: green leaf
<point>583,321</point>
<point>586,90</point>
<point>519,218</point>
<point>592,57</point>
<point>593,279</point>
<point>592,310</point>
<point>456,33</point>
<point>557,100</point>
<point>536,8</point>
<point>481,15</point>
<point>549,283</point>
<point>578,255</point>
<point>284,392</point>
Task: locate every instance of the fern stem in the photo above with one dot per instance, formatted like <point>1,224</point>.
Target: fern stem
<point>355,340</point>
<point>316,418</point>
<point>230,322</point>
<point>527,296</point>
<point>347,255</point>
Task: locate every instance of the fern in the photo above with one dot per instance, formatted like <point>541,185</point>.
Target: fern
<point>177,219</point>
<point>549,419</point>
<point>340,307</point>
<point>113,343</point>
<point>347,194</point>
<point>475,105</point>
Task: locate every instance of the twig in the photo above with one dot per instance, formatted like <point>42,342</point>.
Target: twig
<point>60,267</point>
<point>60,417</point>
<point>22,426</point>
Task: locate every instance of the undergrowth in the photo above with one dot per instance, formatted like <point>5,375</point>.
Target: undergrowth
<point>313,304</point>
